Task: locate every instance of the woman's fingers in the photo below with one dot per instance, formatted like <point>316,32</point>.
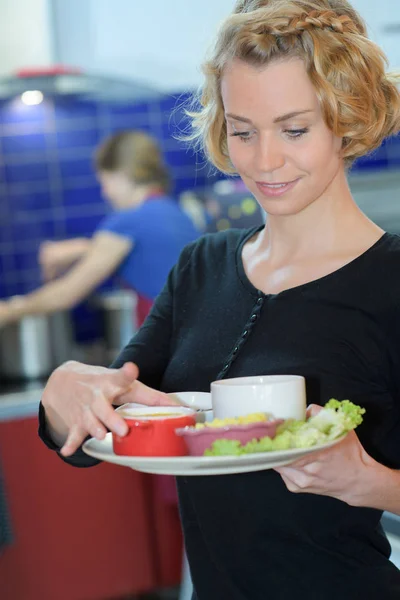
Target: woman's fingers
<point>142,394</point>
<point>93,423</point>
<point>78,401</point>
<point>105,413</point>
<point>122,379</point>
<point>74,440</point>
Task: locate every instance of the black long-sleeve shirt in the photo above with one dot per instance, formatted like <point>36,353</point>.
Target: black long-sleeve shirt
<point>248,537</point>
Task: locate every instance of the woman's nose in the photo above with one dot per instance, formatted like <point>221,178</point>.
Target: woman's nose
<point>270,156</point>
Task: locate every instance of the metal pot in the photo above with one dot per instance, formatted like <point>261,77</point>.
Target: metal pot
<point>119,322</point>
<point>35,345</point>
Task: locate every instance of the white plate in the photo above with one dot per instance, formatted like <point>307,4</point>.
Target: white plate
<point>198,465</point>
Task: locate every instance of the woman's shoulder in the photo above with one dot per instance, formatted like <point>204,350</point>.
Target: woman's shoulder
<point>216,246</point>
<point>387,252</point>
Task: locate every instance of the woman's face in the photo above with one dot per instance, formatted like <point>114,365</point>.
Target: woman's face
<point>277,135</point>
<point>116,188</point>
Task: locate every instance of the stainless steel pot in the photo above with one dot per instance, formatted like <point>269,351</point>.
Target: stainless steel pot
<point>34,346</point>
<point>118,313</point>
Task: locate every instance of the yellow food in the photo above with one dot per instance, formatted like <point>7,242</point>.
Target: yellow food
<point>244,420</point>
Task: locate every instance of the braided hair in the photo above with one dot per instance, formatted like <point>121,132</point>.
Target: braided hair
<point>360,101</point>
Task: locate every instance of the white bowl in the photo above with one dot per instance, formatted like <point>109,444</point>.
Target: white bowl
<point>196,400</point>
<point>282,396</point>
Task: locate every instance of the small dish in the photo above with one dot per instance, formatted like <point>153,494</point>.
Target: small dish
<point>199,440</point>
<point>152,430</point>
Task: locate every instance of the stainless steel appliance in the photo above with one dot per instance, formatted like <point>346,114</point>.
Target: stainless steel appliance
<point>118,311</point>
<point>34,346</point>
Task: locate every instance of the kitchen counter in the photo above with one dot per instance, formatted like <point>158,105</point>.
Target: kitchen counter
<point>20,399</point>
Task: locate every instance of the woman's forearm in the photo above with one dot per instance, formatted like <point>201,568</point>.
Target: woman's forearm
<point>50,298</point>
<point>76,248</point>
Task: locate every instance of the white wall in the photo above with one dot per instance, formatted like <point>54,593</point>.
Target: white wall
<point>164,41</point>
<point>167,41</point>
<point>378,14</point>
<point>25,34</point>
<point>160,42</point>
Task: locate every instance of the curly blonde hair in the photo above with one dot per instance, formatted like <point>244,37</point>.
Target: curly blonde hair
<point>360,101</point>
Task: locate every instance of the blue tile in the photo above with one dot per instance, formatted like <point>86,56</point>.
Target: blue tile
<point>84,225</point>
<point>127,110</point>
<point>83,196</point>
<point>33,230</point>
<point>173,101</point>
<point>31,201</point>
<point>176,126</point>
<point>5,232</point>
<point>370,165</point>
<point>26,172</point>
<point>392,147</point>
<point>15,111</point>
<point>14,289</point>
<point>76,167</point>
<point>138,121</point>
<point>25,261</point>
<point>181,158</point>
<point>35,142</point>
<point>3,266</point>
<point>33,283</point>
<point>394,162</point>
<point>66,108</point>
<point>189,183</point>
<point>74,139</point>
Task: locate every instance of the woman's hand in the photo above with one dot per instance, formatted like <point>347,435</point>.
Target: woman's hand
<point>344,471</point>
<point>78,401</point>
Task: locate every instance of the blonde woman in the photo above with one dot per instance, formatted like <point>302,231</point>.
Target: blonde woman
<point>294,92</point>
<point>140,242</point>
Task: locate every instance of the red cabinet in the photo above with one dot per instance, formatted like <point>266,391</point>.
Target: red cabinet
<point>81,534</point>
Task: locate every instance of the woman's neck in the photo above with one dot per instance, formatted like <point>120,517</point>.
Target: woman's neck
<point>142,192</point>
<point>325,226</point>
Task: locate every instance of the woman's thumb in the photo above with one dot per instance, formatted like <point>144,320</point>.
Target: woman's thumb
<point>313,410</point>
<point>129,372</point>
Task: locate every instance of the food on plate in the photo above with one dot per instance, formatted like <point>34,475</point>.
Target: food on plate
<point>334,420</point>
<point>258,417</point>
<point>243,429</point>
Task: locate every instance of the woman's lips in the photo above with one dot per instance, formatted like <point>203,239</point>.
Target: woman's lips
<point>274,190</point>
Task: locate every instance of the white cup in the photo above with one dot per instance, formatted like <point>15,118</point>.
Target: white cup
<point>281,396</point>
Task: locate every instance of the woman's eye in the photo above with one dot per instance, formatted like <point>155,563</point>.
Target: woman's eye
<point>296,133</point>
<point>244,135</point>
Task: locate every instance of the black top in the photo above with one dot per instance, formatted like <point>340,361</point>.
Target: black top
<point>247,537</point>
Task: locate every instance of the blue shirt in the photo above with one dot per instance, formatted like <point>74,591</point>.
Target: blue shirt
<point>159,229</point>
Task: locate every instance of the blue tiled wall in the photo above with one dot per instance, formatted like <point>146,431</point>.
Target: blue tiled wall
<point>48,189</point>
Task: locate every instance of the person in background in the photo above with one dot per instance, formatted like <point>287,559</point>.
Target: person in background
<point>294,92</point>
<point>139,242</point>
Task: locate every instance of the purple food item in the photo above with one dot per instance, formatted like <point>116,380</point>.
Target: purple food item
<point>198,440</point>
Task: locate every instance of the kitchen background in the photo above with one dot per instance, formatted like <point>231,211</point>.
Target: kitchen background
<point>138,65</point>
